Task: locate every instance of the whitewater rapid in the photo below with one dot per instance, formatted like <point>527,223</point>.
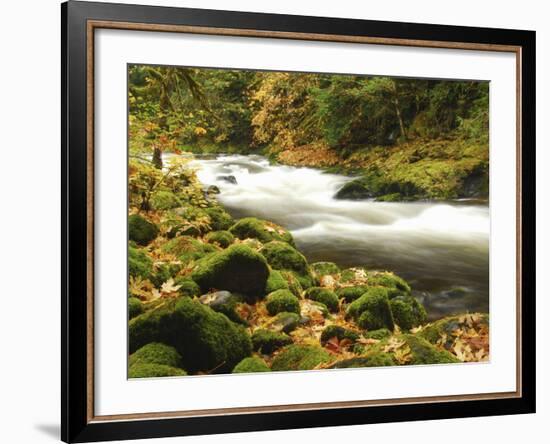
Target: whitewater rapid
<point>441,248</point>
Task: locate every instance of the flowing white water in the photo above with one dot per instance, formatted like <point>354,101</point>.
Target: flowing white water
<point>438,247</point>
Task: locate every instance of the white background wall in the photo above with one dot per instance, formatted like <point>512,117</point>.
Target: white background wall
<point>30,207</point>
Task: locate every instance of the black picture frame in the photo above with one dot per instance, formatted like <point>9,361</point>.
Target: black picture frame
<point>77,319</point>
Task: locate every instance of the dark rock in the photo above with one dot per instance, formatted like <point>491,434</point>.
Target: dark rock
<point>228,179</point>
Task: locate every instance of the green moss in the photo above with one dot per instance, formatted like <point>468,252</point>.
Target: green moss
<point>188,287</point>
<point>350,294</point>
<point>164,272</point>
<point>164,200</point>
<point>140,230</point>
<point>267,341</point>
<point>154,371</point>
<point>139,263</point>
<point>379,334</point>
<point>156,353</point>
<point>275,281</point>
<point>336,331</point>
<point>251,365</point>
<point>379,359</point>
<point>280,301</point>
<point>238,269</point>
<point>219,218</point>
<point>445,327</point>
<point>187,248</point>
<point>223,302</point>
<point>282,256</point>
<point>323,295</point>
<point>300,357</point>
<point>222,238</point>
<point>286,321</point>
<point>135,307</point>
<point>372,310</point>
<point>389,280</point>
<point>392,197</point>
<point>264,231</point>
<point>324,268</point>
<point>206,340</point>
<point>407,312</point>
<point>293,283</point>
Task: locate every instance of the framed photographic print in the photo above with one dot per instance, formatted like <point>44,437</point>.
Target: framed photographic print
<point>276,221</point>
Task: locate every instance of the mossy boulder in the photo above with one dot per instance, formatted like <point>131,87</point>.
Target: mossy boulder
<point>390,281</point>
<point>223,302</point>
<point>282,256</point>
<point>135,307</point>
<point>324,296</point>
<point>205,339</point>
<point>339,332</point>
<point>139,263</point>
<point>164,272</point>
<point>164,200</point>
<point>156,353</point>
<point>324,268</point>
<point>237,269</point>
<point>356,189</point>
<point>408,349</point>
<point>379,359</point>
<point>154,371</point>
<point>264,231</point>
<point>251,365</point>
<point>268,341</point>
<point>300,357</point>
<point>374,184</point>
<point>187,248</point>
<point>222,238</point>
<point>350,294</point>
<point>140,230</point>
<point>408,312</point>
<point>379,334</point>
<point>286,321</point>
<point>219,218</point>
<point>372,310</point>
<point>293,283</point>
<point>275,281</point>
<point>187,286</point>
<point>282,301</point>
<point>445,328</point>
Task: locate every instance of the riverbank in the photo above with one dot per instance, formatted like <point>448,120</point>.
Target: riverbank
<point>211,294</point>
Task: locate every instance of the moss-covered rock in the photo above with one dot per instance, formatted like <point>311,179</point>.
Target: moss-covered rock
<point>206,340</point>
<point>379,359</point>
<point>251,365</point>
<point>264,231</point>
<point>445,328</point>
<point>187,286</point>
<point>407,312</point>
<point>324,268</point>
<point>219,218</point>
<point>140,230</point>
<point>237,269</point>
<point>267,341</point>
<point>350,294</point>
<point>339,332</point>
<point>286,322</point>
<point>280,301</point>
<point>223,302</point>
<point>300,357</point>
<point>275,281</point>
<point>389,280</point>
<point>282,256</point>
<point>164,272</point>
<point>222,238</point>
<point>187,248</point>
<point>135,307</point>
<point>154,371</point>
<point>323,295</point>
<point>156,353</point>
<point>139,263</point>
<point>372,310</point>
<point>293,283</point>
<point>164,200</point>
<point>379,334</point>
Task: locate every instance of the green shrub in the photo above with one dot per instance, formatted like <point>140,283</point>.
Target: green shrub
<point>372,310</point>
<point>135,307</point>
<point>238,269</point>
<point>156,353</point>
<point>264,231</point>
<point>154,371</point>
<point>282,256</point>
<point>300,357</point>
<point>206,340</point>
<point>251,365</point>
<point>222,238</point>
<point>268,341</point>
<point>323,295</point>
<point>140,230</point>
<point>282,300</point>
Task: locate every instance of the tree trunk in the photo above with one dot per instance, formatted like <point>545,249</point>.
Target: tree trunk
<point>157,157</point>
<point>398,113</point>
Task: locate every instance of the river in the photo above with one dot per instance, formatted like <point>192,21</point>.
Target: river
<point>441,249</point>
